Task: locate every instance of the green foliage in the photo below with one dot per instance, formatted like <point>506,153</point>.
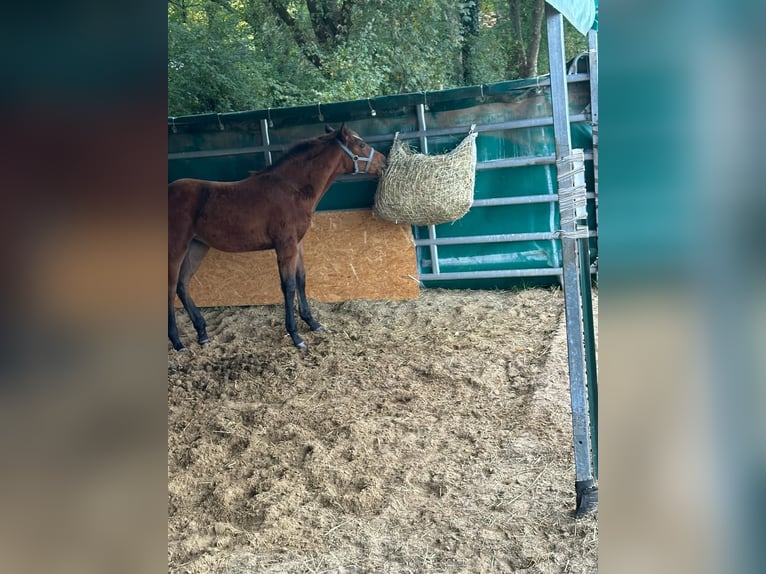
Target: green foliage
<point>226,55</point>
<point>211,67</point>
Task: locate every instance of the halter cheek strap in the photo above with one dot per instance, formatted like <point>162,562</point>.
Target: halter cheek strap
<point>357,159</point>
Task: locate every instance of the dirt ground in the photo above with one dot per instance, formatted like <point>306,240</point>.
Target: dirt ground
<point>431,435</point>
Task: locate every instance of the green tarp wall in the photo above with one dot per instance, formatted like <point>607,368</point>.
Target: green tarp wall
<point>515,153</point>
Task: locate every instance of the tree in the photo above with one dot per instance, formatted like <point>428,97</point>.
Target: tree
<point>211,65</point>
<point>226,55</point>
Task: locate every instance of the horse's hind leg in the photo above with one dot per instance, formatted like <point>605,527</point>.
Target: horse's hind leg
<point>174,264</point>
<point>300,283</point>
<point>173,328</point>
<point>287,260</point>
<point>194,256</point>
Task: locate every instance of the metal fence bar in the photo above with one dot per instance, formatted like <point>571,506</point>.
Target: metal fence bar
<point>591,364</point>
<point>498,274</point>
<point>223,152</point>
<point>593,63</point>
<point>523,161</point>
<point>494,127</point>
<point>499,238</point>
<point>266,141</point>
<point>530,160</point>
<point>421,133</point>
<point>584,485</point>
<point>521,200</point>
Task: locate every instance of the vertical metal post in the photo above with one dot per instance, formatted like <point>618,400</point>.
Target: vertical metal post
<point>593,73</point>
<point>421,111</point>
<point>265,140</point>
<point>591,365</point>
<point>584,485</point>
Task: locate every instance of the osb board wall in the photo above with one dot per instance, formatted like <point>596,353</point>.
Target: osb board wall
<point>347,254</point>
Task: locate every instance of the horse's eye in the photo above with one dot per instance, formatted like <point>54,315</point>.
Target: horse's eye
<point>362,145</point>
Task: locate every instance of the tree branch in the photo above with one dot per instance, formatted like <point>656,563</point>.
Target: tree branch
<point>297,33</point>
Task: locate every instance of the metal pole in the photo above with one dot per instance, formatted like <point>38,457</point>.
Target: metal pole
<point>266,141</point>
<point>585,488</point>
<point>421,110</point>
<point>496,238</point>
<point>593,72</point>
<point>591,365</point>
<point>542,272</point>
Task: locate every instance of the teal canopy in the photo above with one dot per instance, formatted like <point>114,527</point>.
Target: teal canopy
<point>580,13</point>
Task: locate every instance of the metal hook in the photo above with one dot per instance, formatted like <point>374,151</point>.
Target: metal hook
<point>268,115</point>
<point>373,113</point>
<point>173,124</point>
<point>319,109</point>
<point>425,101</point>
<point>220,123</point>
<point>481,97</point>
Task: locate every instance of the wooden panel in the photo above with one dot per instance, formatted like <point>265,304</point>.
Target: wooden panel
<point>348,255</point>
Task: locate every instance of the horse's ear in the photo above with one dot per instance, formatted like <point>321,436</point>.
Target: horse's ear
<point>328,129</point>
<point>343,132</point>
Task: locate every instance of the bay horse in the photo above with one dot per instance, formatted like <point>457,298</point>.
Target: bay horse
<point>270,209</point>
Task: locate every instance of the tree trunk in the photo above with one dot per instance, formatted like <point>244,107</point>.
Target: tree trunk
<point>329,22</point>
<point>519,40</point>
<point>297,33</point>
<point>527,31</point>
<point>536,31</point>
<point>470,33</point>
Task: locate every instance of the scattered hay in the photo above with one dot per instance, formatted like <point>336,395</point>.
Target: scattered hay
<point>431,435</point>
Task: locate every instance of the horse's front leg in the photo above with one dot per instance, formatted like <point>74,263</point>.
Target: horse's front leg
<point>194,256</point>
<point>287,259</point>
<point>303,304</point>
<point>173,265</point>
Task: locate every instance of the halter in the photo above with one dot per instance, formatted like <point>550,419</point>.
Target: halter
<point>357,159</point>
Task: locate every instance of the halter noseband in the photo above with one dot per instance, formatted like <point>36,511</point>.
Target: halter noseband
<point>357,159</point>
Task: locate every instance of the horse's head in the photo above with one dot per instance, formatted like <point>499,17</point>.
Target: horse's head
<point>358,151</point>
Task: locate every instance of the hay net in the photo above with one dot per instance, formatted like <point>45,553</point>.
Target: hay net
<point>422,189</point>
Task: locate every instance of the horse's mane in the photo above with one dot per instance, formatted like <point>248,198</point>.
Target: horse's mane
<point>299,149</point>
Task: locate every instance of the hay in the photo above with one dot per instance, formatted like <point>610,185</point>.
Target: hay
<point>430,435</point>
<point>424,189</point>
